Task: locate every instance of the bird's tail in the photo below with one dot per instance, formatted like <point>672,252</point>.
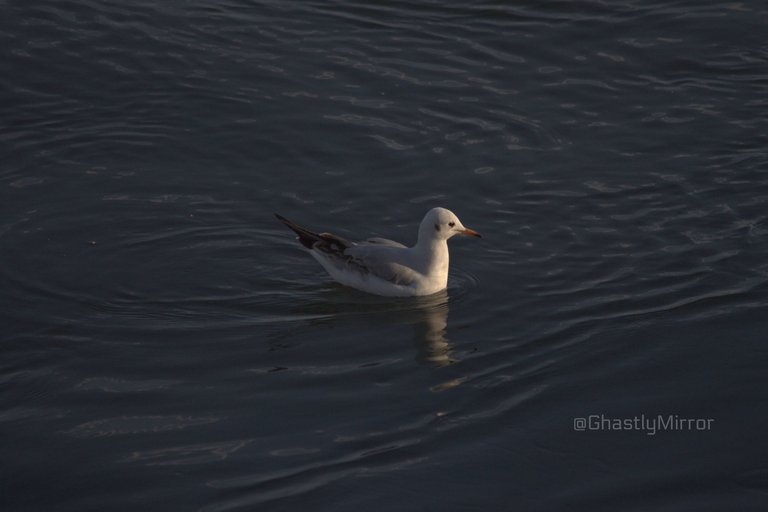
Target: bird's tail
<point>306,237</point>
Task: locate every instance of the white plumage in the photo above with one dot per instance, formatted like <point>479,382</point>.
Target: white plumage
<point>386,267</point>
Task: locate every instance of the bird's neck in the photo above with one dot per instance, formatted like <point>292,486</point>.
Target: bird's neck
<point>433,256</point>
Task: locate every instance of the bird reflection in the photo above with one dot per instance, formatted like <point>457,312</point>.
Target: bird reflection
<point>427,315</point>
<point>429,329</point>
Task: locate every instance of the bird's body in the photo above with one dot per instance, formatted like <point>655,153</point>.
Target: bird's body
<point>386,267</point>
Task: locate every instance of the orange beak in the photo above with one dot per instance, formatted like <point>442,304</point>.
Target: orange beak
<point>470,232</point>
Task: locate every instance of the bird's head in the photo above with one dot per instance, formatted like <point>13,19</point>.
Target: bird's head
<point>442,224</point>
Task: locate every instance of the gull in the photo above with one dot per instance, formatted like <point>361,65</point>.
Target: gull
<point>385,267</point>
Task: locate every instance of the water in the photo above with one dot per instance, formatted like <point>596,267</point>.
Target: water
<point>166,345</point>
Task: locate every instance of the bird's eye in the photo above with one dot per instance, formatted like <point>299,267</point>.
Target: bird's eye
<point>451,224</point>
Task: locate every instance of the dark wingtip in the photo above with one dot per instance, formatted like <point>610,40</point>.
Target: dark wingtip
<point>306,237</point>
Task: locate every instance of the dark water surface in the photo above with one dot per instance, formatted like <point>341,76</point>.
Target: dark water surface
<point>167,346</point>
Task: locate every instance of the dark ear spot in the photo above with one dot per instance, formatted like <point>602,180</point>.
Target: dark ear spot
<point>437,227</point>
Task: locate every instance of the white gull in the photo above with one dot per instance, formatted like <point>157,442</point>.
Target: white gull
<point>386,267</point>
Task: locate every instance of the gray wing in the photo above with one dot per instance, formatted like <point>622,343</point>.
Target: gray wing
<point>383,241</point>
<point>383,261</point>
<point>377,256</point>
